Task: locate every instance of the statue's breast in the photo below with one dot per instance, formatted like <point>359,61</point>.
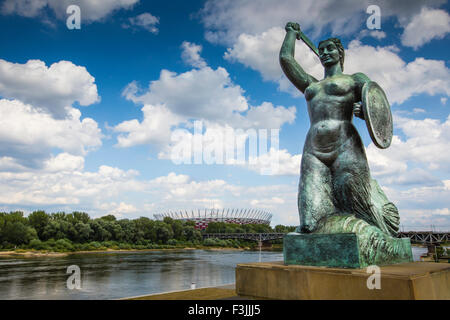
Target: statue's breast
<point>312,90</point>
<point>338,86</point>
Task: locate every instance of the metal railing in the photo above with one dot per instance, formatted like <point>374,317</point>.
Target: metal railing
<point>245,236</point>
<point>424,237</point>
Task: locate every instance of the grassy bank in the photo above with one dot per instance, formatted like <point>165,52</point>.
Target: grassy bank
<point>63,248</point>
<point>41,253</point>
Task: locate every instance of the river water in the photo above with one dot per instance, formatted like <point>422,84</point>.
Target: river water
<point>125,274</point>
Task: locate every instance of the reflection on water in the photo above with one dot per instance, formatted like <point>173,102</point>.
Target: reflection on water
<point>117,275</point>
<point>417,252</point>
<point>125,274</point>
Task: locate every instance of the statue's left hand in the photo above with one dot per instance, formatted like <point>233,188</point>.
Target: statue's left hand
<point>292,26</point>
<point>357,110</point>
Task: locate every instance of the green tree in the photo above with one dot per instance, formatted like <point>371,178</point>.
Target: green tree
<point>58,229</point>
<point>216,227</point>
<point>191,234</point>
<point>100,232</point>
<point>163,231</point>
<point>116,231</point>
<point>144,227</point>
<point>176,226</point>
<point>190,223</point>
<point>17,233</point>
<point>38,220</point>
<point>284,229</point>
<point>58,216</point>
<point>81,217</point>
<point>168,220</point>
<point>109,217</point>
<point>129,231</point>
<point>83,232</point>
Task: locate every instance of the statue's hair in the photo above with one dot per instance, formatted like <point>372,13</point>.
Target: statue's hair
<point>340,48</point>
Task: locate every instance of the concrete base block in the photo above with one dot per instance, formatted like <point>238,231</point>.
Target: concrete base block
<point>338,250</point>
<point>406,281</point>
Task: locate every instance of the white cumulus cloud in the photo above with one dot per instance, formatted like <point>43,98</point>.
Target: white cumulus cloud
<point>399,79</point>
<point>91,10</point>
<point>28,136</point>
<point>155,128</point>
<point>74,189</point>
<point>420,159</point>
<point>53,89</point>
<point>199,93</point>
<point>144,20</point>
<point>429,24</point>
<point>191,54</point>
<point>204,94</point>
<point>225,20</point>
<point>260,52</point>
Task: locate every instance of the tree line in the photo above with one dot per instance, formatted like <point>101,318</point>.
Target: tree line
<point>222,227</point>
<point>76,231</point>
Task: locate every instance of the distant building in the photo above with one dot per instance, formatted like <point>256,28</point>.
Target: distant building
<point>202,217</point>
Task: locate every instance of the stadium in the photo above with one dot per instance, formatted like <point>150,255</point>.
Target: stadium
<point>202,217</point>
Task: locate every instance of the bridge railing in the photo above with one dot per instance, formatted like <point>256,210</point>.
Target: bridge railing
<point>415,236</point>
<point>426,236</point>
<point>246,236</point>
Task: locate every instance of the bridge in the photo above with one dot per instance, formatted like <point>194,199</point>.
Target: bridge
<point>424,237</point>
<point>246,236</point>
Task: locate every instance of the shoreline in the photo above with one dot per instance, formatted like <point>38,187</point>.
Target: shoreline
<point>37,253</point>
<point>40,253</point>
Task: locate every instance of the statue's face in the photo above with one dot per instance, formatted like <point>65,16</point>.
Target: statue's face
<point>328,53</point>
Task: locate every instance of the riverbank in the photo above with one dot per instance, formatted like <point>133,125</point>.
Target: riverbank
<point>30,253</point>
<point>43,253</point>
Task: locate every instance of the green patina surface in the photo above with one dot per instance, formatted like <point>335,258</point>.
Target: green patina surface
<point>346,219</point>
<point>339,250</point>
<point>328,250</point>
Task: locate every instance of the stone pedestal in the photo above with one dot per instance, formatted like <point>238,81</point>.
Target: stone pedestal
<point>406,281</point>
<point>340,250</point>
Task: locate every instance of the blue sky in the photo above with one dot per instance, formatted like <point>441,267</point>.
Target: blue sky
<point>87,115</point>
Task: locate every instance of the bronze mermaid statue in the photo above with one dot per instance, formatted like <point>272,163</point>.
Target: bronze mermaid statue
<point>336,192</point>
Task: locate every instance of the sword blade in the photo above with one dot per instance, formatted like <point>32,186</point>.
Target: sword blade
<point>309,43</point>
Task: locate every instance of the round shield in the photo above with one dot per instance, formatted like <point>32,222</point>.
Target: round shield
<point>377,113</point>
